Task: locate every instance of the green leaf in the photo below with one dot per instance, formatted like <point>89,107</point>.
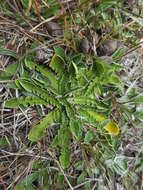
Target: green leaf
<point>139,114</point>
<point>57,64</point>
<point>91,115</point>
<point>55,142</point>
<point>31,87</point>
<point>138,99</point>
<point>75,67</point>
<point>88,137</point>
<point>84,101</point>
<point>60,179</point>
<point>45,71</point>
<point>93,85</point>
<point>27,85</point>
<point>99,68</point>
<point>5,75</point>
<point>65,158</point>
<point>12,103</point>
<point>64,84</point>
<point>75,129</point>
<point>139,163</point>
<point>29,179</point>
<point>9,72</point>
<point>8,52</point>
<point>64,137</point>
<point>4,143</point>
<point>30,64</point>
<point>81,177</point>
<point>117,54</point>
<point>25,101</point>
<point>12,68</point>
<point>38,131</point>
<point>114,79</point>
<point>51,11</point>
<point>118,165</point>
<point>20,187</point>
<point>105,5</point>
<point>77,58</point>
<point>60,52</point>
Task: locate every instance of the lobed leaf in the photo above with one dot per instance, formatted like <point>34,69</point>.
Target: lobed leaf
<point>38,131</point>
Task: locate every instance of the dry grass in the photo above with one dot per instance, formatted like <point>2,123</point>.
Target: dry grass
<point>17,154</point>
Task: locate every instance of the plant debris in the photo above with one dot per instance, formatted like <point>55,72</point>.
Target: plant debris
<point>71,95</point>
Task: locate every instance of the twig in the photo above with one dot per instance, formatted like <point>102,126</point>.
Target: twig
<point>64,174</point>
<point>41,157</point>
<point>22,154</point>
<point>43,22</point>
<point>61,169</point>
<point>6,81</point>
<point>85,182</point>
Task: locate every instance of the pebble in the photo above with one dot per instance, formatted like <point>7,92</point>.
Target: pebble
<point>85,46</point>
<point>108,47</point>
<point>54,29</point>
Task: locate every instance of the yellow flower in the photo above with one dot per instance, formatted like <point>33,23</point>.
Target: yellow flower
<point>112,128</point>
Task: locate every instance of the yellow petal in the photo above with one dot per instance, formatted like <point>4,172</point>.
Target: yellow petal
<point>112,128</point>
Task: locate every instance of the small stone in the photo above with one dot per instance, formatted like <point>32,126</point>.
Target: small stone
<point>71,5</point>
<point>43,55</point>
<point>54,29</point>
<point>108,47</point>
<point>85,45</point>
<point>140,83</point>
<point>130,2</point>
